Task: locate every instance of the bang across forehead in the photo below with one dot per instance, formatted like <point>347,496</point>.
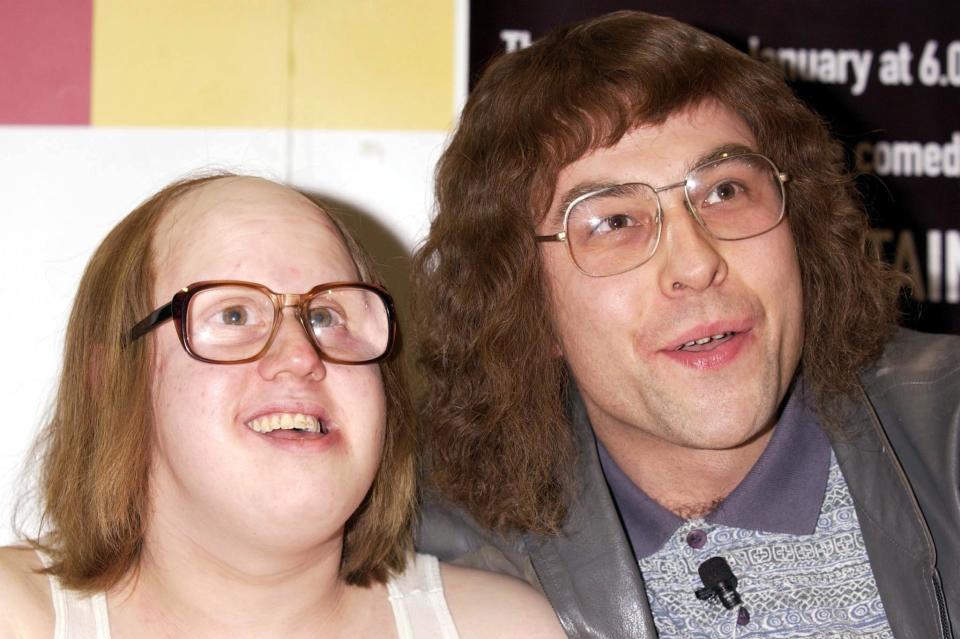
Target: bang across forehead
<point>583,97</point>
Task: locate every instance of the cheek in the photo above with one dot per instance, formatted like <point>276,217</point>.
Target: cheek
<point>369,414</point>
<point>570,308</point>
<point>593,316</point>
<point>794,306</point>
<point>360,399</point>
<point>775,272</point>
<point>786,278</point>
<point>767,263</point>
<point>375,395</point>
<point>561,298</point>
<point>188,396</point>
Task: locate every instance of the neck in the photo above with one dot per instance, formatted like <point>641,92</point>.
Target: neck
<point>193,584</point>
<point>689,482</point>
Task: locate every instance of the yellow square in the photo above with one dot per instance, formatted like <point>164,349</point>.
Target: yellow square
<point>373,64</point>
<point>190,63</point>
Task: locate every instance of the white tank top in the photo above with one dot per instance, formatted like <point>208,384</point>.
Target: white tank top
<point>416,597</point>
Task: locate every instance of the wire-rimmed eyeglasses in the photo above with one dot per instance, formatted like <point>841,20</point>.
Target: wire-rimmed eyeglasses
<point>614,229</point>
<point>233,322</point>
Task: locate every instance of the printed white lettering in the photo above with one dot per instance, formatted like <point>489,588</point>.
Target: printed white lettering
<point>515,39</point>
<point>940,281</point>
<point>934,71</point>
<point>910,159</point>
<point>935,265</point>
<point>877,237</point>
<point>895,66</point>
<point>827,66</point>
<point>952,266</point>
<point>906,261</point>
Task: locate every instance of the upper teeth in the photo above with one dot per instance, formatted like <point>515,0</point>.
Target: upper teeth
<point>286,421</point>
<point>704,340</point>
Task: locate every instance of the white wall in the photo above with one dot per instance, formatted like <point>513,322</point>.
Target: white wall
<point>62,188</point>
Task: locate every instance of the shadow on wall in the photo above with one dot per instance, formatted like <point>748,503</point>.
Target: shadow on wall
<point>392,259</point>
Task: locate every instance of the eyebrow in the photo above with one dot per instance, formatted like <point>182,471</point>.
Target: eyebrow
<point>714,154</point>
<point>718,153</point>
<point>572,194</point>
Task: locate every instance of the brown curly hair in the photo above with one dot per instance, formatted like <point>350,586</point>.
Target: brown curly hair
<point>94,452</point>
<point>494,405</point>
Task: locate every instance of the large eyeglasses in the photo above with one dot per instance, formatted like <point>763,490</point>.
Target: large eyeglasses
<point>228,322</point>
<point>615,229</point>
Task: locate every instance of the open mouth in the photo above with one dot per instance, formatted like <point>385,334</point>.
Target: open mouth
<point>289,425</point>
<point>706,343</point>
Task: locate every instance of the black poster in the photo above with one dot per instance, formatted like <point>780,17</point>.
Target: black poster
<point>885,76</point>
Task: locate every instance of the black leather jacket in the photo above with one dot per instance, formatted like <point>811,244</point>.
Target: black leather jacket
<point>901,466</point>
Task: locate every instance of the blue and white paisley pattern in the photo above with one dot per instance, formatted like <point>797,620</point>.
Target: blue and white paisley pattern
<point>794,586</point>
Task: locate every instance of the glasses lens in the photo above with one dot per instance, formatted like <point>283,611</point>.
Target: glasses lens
<point>613,230</point>
<point>737,197</point>
<point>229,323</point>
<point>349,324</point>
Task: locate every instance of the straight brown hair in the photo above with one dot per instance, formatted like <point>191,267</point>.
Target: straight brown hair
<point>95,450</point>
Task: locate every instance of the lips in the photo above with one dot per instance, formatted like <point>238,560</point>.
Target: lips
<point>291,419</point>
<point>711,346</point>
<point>709,335</point>
<point>706,343</point>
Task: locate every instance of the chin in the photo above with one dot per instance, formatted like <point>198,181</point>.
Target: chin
<point>728,432</point>
<point>731,443</point>
<point>737,435</point>
<point>291,528</point>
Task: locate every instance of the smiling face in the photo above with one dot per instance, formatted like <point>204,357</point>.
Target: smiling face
<point>216,474</point>
<point>627,338</point>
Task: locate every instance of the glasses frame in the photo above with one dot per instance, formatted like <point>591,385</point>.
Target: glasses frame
<point>782,179</point>
<point>176,310</point>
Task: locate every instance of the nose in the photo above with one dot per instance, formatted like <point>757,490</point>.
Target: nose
<point>291,353</point>
<point>689,260</point>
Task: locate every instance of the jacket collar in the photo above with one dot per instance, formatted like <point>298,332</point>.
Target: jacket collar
<point>591,577</point>
<point>782,493</point>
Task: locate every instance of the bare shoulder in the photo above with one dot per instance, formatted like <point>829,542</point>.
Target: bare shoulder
<point>486,604</point>
<point>25,608</point>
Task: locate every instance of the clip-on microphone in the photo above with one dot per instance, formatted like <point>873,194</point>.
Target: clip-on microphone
<point>720,582</point>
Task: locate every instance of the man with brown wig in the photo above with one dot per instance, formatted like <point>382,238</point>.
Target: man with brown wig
<point>665,382</point>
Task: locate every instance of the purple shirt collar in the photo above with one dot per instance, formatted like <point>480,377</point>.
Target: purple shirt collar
<point>782,493</point>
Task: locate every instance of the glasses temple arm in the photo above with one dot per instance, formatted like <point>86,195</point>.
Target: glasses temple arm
<point>556,237</point>
<point>150,322</point>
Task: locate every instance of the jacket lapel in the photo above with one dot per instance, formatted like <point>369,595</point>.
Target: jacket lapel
<point>589,572</point>
<point>898,543</point>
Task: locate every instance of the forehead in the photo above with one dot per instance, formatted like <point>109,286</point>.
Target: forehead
<point>248,229</point>
<point>655,154</point>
